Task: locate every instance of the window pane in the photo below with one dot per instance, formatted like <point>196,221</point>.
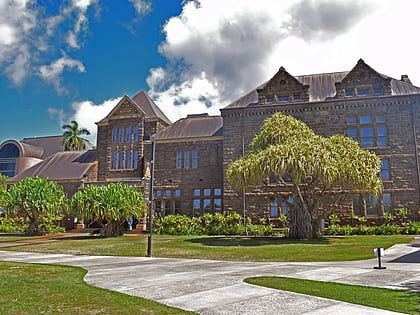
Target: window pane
<point>114,134</point>
<point>349,93</point>
<point>380,118</point>
<point>121,160</point>
<point>384,170</point>
<point>122,134</point>
<point>351,120</point>
<point>195,159</point>
<point>386,202</point>
<point>270,99</point>
<point>158,193</point>
<point>365,119</point>
<point>177,193</point>
<point>167,193</point>
<point>363,92</point>
<point>135,159</point>
<point>128,159</point>
<point>378,91</point>
<point>129,135</point>
<point>197,192</point>
<point>366,137</point>
<point>371,206</point>
<point>179,159</point>
<point>297,97</point>
<point>206,205</point>
<point>217,204</point>
<point>283,98</point>
<point>196,207</point>
<point>177,207</point>
<point>274,208</point>
<point>207,192</point>
<point>217,192</point>
<point>357,205</point>
<point>352,133</point>
<point>136,133</point>
<point>187,163</point>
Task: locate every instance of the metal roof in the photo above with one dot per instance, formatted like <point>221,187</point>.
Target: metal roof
<point>194,126</point>
<point>322,87</point>
<point>65,165</point>
<point>149,107</point>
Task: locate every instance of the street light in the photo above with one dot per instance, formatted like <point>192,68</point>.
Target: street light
<point>151,177</point>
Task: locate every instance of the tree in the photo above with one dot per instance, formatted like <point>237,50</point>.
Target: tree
<point>37,200</point>
<point>110,205</point>
<point>321,169</point>
<point>71,140</point>
<point>3,187</point>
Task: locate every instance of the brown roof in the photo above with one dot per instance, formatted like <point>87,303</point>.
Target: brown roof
<point>65,165</point>
<point>48,145</point>
<point>322,87</point>
<point>194,126</point>
<point>149,107</point>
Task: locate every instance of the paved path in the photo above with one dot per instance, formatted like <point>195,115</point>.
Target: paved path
<point>217,287</point>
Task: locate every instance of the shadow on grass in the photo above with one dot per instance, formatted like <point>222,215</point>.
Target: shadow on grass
<point>251,241</point>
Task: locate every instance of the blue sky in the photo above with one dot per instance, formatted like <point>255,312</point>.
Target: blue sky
<point>74,59</point>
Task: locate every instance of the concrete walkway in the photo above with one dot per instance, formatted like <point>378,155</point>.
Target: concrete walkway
<point>217,287</point>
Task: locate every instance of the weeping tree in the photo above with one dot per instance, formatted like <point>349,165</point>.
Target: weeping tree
<point>109,205</point>
<point>36,199</point>
<point>320,169</point>
<point>71,139</point>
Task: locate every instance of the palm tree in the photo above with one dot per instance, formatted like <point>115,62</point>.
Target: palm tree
<point>71,140</point>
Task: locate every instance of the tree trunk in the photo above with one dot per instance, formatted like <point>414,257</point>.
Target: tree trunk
<point>34,229</point>
<point>113,228</point>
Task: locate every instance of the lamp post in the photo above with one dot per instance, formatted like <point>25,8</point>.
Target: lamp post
<point>150,197</point>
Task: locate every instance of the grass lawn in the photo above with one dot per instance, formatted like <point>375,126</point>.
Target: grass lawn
<point>48,289</point>
<point>393,300</point>
<point>225,248</point>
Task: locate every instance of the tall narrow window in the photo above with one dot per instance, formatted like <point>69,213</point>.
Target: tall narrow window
<point>122,134</point>
<point>274,207</point>
<point>114,134</point>
<point>366,137</point>
<point>187,159</point>
<point>386,202</point>
<point>217,205</point>
<point>286,204</point>
<point>136,133</point>
<point>121,160</point>
<point>196,207</point>
<point>114,160</point>
<point>381,136</point>
<point>129,134</point>
<point>372,209</point>
<point>195,159</point>
<point>179,159</point>
<point>206,205</point>
<point>128,159</point>
<point>384,170</point>
<point>135,159</point>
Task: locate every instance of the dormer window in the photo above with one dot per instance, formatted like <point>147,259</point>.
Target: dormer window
<point>349,93</point>
<point>297,97</point>
<point>270,99</point>
<point>283,98</point>
<point>363,92</point>
<point>378,91</point>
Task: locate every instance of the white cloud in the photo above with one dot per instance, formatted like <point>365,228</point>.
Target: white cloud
<point>142,7</point>
<point>86,113</point>
<point>52,73</point>
<point>235,45</point>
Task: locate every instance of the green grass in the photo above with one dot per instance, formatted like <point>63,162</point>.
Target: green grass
<point>225,248</point>
<point>48,289</point>
<point>392,300</point>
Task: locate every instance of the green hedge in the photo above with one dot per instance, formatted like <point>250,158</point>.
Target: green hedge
<point>209,224</point>
<point>384,229</point>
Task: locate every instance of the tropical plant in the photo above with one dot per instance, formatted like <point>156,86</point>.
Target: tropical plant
<point>36,199</point>
<point>320,169</point>
<point>389,217</point>
<point>3,188</point>
<point>334,219</point>
<point>109,205</point>
<point>71,139</point>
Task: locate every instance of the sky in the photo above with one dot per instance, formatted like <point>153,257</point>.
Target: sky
<point>75,59</point>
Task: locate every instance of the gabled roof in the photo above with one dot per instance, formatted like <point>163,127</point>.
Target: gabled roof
<point>149,107</point>
<point>142,104</point>
<point>65,165</point>
<point>194,126</point>
<point>322,86</point>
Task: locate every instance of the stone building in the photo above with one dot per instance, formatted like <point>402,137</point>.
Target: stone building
<point>192,154</point>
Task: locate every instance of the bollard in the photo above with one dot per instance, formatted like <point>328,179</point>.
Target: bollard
<point>379,252</point>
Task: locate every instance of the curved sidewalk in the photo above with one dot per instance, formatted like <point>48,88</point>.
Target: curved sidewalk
<point>217,287</point>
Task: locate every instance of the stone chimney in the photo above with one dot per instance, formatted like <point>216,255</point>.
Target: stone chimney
<point>405,79</point>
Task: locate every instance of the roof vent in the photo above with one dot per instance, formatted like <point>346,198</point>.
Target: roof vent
<point>198,115</point>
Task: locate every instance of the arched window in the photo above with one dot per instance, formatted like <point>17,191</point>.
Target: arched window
<point>8,155</point>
